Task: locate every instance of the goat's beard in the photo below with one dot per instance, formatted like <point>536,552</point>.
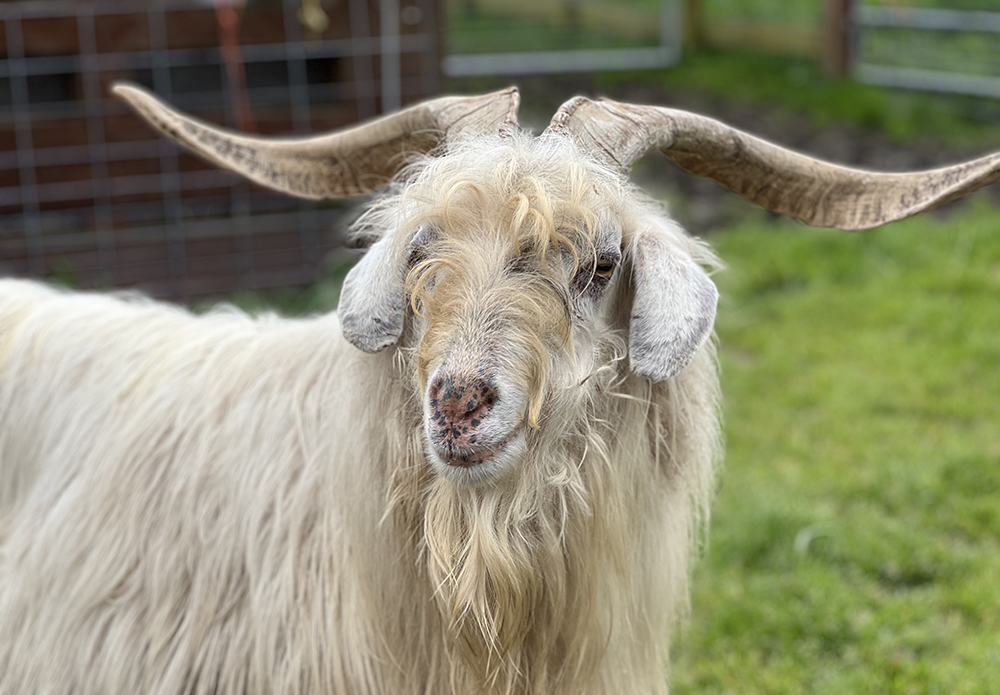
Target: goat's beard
<point>513,566</point>
<point>531,572</point>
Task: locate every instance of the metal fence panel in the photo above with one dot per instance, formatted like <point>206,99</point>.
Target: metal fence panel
<point>946,49</point>
<point>88,192</point>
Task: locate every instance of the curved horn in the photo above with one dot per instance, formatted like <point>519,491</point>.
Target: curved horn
<point>813,191</point>
<point>336,165</point>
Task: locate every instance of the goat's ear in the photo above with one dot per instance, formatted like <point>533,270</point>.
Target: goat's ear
<point>673,310</point>
<point>372,300</point>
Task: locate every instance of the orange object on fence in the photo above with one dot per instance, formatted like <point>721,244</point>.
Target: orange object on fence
<point>228,16</point>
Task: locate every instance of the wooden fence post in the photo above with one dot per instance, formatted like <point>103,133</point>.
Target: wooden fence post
<point>836,33</point>
<point>693,29</point>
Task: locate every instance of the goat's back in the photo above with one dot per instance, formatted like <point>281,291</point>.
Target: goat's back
<point>172,488</point>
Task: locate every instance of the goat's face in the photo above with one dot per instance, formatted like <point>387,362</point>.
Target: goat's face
<point>516,264</point>
<point>493,317</point>
<point>511,293</point>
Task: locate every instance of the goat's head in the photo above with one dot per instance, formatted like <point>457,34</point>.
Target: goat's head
<point>514,256</point>
<point>513,268</point>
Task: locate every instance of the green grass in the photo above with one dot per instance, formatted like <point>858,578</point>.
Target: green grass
<point>855,546</point>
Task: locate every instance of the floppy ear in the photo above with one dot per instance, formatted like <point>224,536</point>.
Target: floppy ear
<point>372,300</point>
<point>673,309</point>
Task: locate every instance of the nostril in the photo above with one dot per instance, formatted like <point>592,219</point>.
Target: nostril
<point>480,398</point>
<point>480,402</point>
<point>474,415</point>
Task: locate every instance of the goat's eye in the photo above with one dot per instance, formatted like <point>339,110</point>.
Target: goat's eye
<point>594,276</point>
<point>604,269</point>
<point>417,255</point>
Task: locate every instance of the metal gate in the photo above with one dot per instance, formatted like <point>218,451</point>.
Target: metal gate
<point>915,44</point>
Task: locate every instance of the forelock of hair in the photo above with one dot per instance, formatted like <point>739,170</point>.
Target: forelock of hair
<point>540,190</point>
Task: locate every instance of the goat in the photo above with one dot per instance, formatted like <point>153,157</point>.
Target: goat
<point>487,473</point>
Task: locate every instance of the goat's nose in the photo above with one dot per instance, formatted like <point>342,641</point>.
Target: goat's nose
<point>459,404</point>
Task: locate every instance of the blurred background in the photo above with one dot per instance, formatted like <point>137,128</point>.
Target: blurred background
<point>856,543</point>
<point>90,195</point>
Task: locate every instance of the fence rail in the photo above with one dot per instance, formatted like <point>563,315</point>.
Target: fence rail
<point>934,49</point>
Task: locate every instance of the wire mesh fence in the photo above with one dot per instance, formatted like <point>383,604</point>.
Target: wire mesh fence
<point>91,194</point>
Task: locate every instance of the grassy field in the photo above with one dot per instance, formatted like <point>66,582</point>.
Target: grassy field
<point>855,546</point>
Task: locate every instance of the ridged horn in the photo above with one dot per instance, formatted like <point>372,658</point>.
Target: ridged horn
<point>811,190</point>
<point>345,163</point>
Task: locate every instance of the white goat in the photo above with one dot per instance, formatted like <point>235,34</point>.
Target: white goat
<point>503,502</point>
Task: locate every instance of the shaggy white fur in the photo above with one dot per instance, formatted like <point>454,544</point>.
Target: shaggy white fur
<point>226,504</point>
